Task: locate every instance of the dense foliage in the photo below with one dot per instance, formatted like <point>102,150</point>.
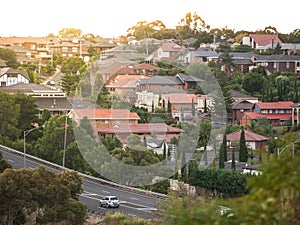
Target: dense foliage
<point>40,196</point>
<point>230,183</point>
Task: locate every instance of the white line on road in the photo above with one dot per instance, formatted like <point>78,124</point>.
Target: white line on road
<point>134,198</point>
<point>9,160</point>
<point>106,192</point>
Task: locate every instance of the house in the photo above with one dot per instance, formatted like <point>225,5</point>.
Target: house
<point>125,52</point>
<point>111,66</point>
<point>204,102</point>
<point>201,55</point>
<point>46,98</point>
<point>254,141</point>
<point>9,76</point>
<point>179,81</point>
<point>243,61</point>
<point>167,51</point>
<point>148,98</point>
<point>278,63</point>
<point>160,131</point>
<point>156,145</point>
<point>181,104</point>
<point>238,96</point>
<point>34,47</point>
<point>149,84</point>
<point>257,41</point>
<point>276,112</point>
<point>239,108</point>
<point>102,119</point>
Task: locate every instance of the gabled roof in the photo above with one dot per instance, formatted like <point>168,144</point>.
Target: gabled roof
<point>180,98</point>
<point>16,40</point>
<point>238,95</point>
<point>273,116</point>
<point>161,80</point>
<point>146,66</point>
<point>142,128</point>
<point>188,78</point>
<point>124,81</point>
<point>275,105</point>
<point>4,71</point>
<point>27,88</point>
<point>249,136</point>
<point>168,90</point>
<point>61,104</point>
<point>264,39</point>
<point>111,114</point>
<point>205,53</point>
<point>242,104</point>
<point>276,58</point>
<point>171,47</point>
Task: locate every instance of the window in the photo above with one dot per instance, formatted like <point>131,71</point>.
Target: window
<point>104,121</point>
<point>74,49</point>
<point>287,65</point>
<point>274,65</point>
<point>65,49</point>
<point>32,47</point>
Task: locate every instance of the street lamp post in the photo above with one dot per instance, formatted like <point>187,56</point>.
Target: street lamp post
<point>25,133</point>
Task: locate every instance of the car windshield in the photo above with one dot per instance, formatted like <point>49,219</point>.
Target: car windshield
<point>114,198</point>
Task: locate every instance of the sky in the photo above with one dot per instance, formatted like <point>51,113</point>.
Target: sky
<point>38,18</point>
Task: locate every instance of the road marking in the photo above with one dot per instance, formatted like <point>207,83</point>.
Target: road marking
<point>106,192</point>
<point>134,198</point>
<point>9,160</point>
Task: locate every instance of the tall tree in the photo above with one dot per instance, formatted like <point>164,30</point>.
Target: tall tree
<point>227,61</point>
<point>223,149</point>
<point>243,151</point>
<point>233,159</point>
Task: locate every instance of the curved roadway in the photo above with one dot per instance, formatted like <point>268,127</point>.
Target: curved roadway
<point>131,203</point>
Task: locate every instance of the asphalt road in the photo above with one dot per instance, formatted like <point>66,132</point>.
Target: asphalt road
<point>132,204</point>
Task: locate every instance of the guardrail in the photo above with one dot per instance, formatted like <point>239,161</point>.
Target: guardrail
<point>85,176</point>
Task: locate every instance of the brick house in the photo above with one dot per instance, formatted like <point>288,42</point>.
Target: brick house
<point>276,112</point>
<point>161,131</point>
<point>278,63</point>
<point>105,118</point>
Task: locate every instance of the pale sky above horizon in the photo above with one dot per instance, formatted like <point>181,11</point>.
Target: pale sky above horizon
<point>112,18</point>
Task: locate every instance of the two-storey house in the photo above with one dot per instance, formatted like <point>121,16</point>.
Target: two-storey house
<point>275,112</point>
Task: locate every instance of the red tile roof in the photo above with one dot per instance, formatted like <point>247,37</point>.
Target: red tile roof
<point>265,39</point>
<point>281,117</point>
<point>12,40</point>
<point>126,70</point>
<point>275,105</point>
<point>145,66</point>
<point>249,136</point>
<point>142,128</point>
<point>172,47</point>
<point>124,81</point>
<point>118,114</point>
<point>180,98</point>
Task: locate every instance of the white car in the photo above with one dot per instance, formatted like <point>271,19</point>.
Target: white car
<point>109,201</point>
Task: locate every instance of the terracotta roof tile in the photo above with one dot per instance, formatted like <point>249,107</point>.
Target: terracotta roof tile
<point>249,136</point>
<point>142,128</point>
<point>264,39</point>
<point>257,115</point>
<point>275,105</point>
<point>106,114</point>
